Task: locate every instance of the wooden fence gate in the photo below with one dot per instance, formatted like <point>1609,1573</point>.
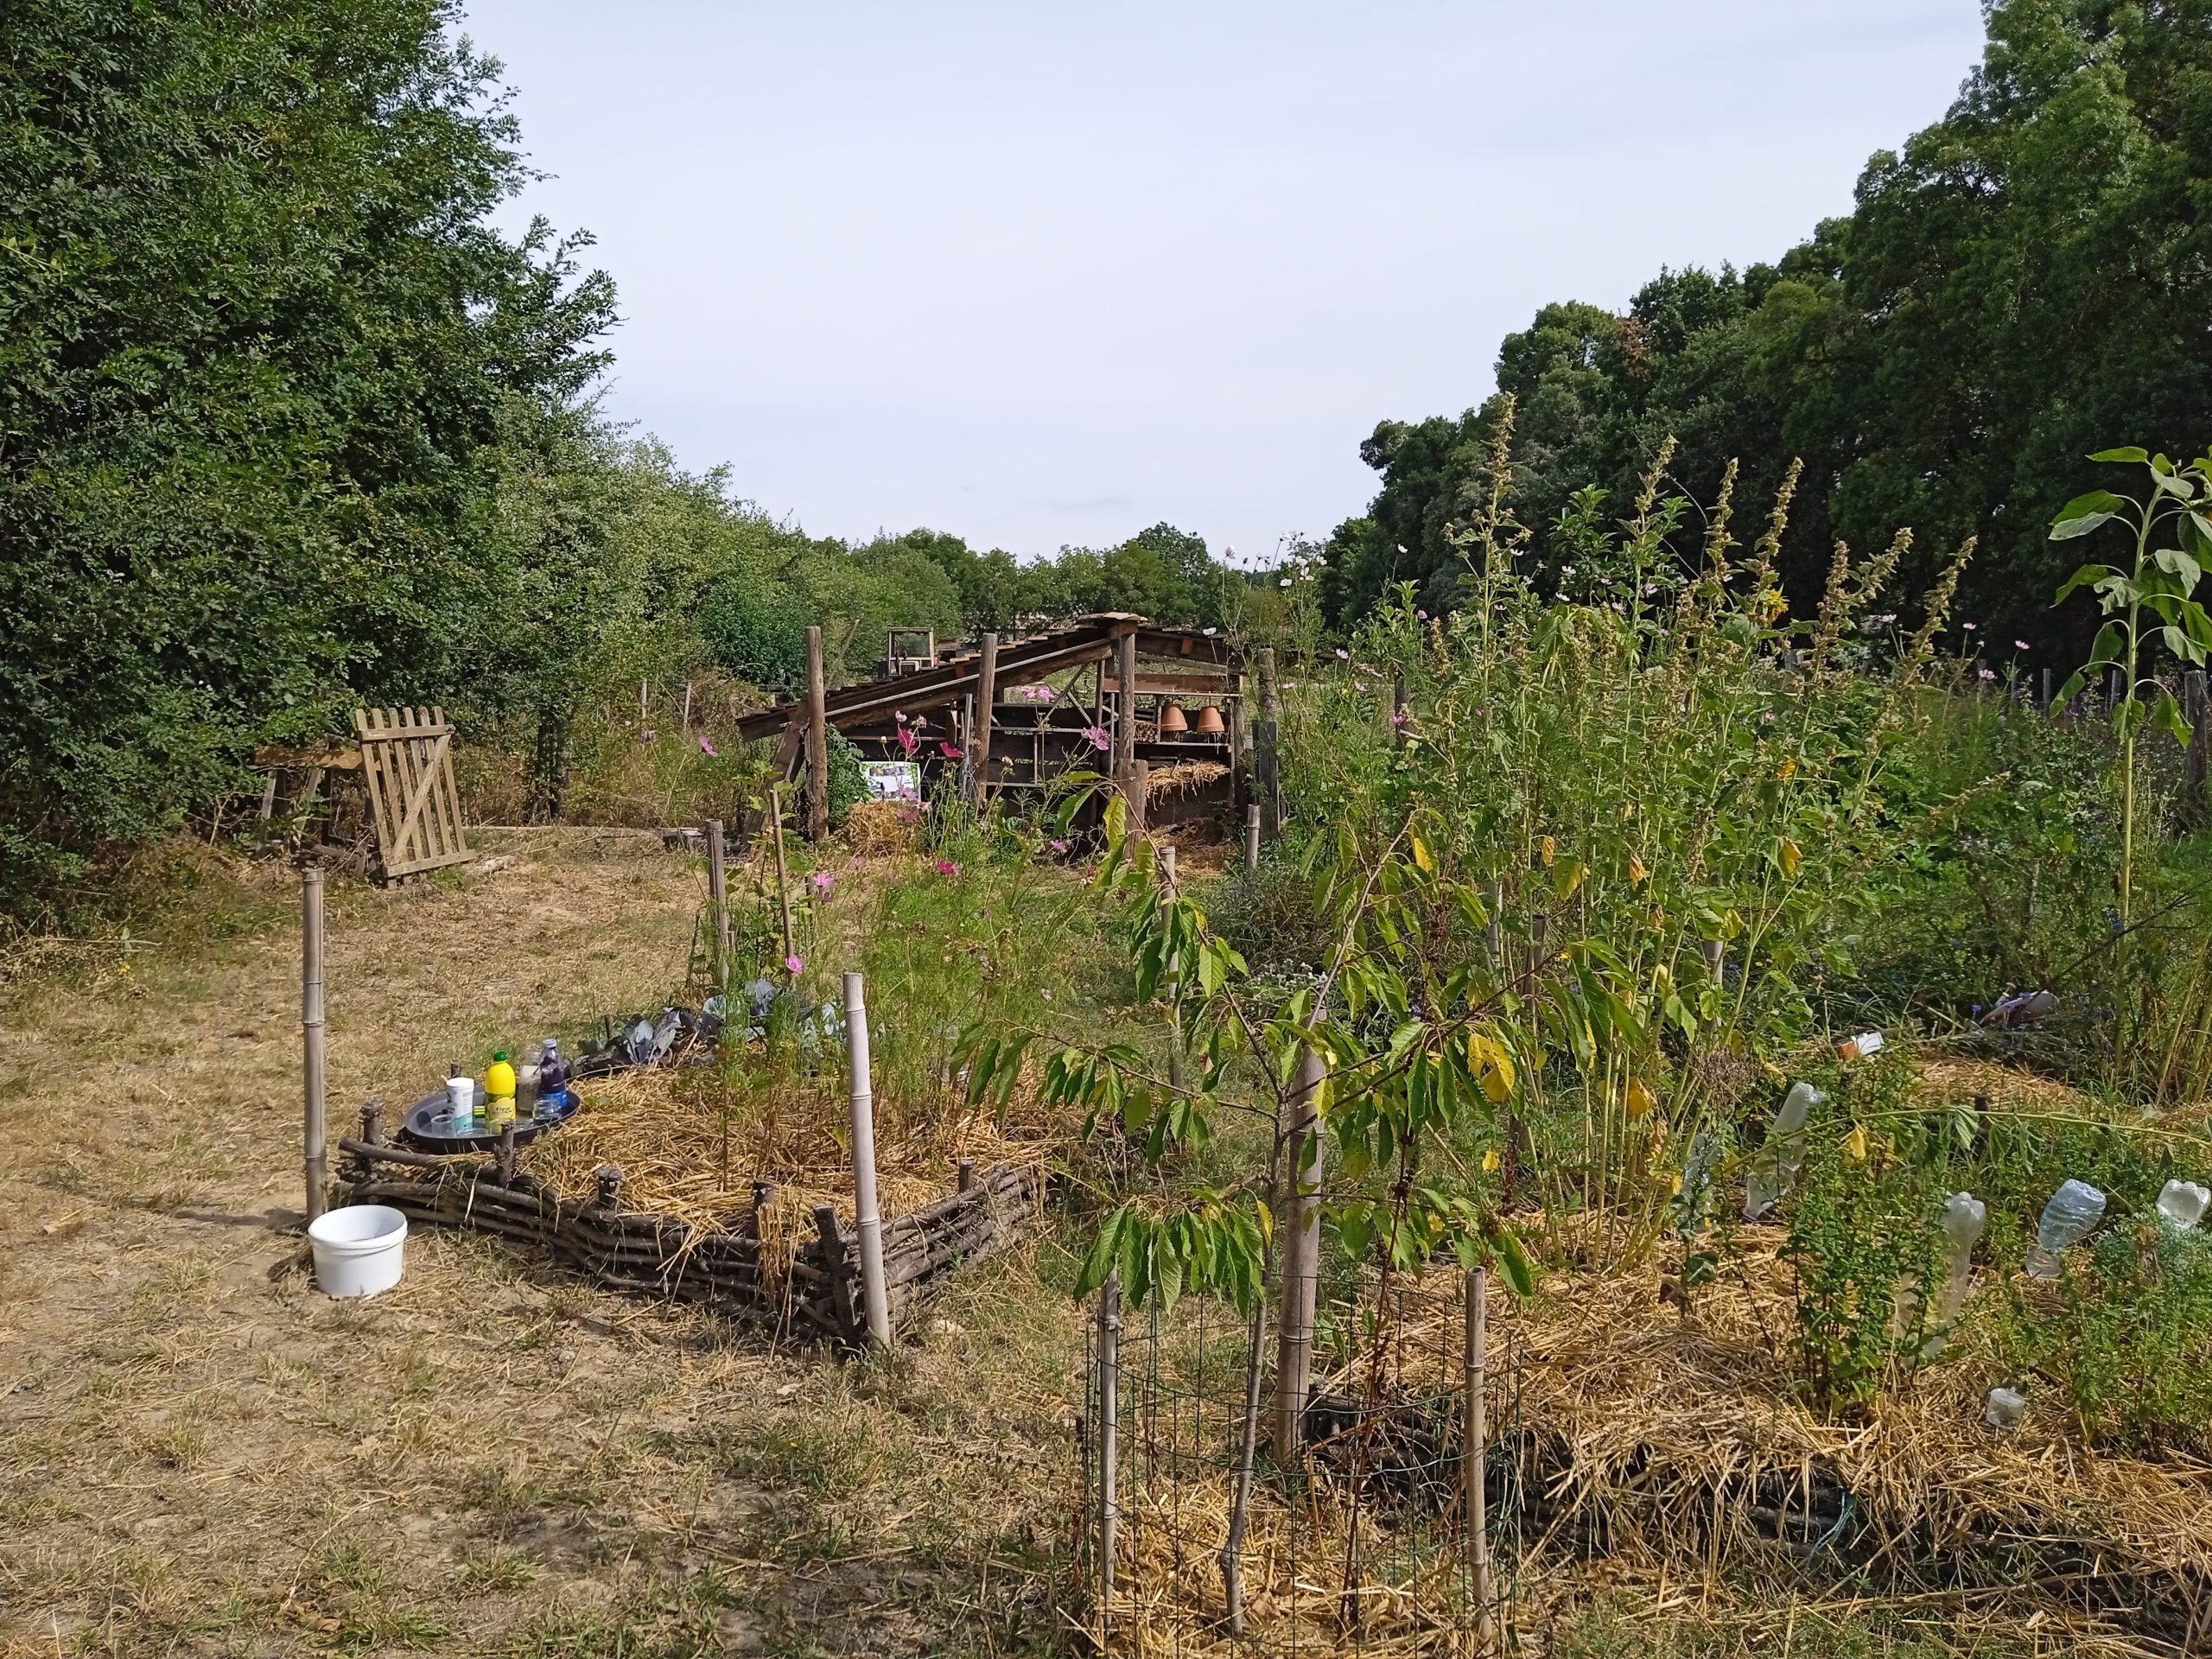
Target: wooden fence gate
<point>407,759</point>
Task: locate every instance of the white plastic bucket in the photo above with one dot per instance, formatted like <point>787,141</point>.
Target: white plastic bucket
<point>358,1250</point>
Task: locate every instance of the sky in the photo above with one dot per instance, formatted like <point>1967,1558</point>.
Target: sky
<point>1043,274</point>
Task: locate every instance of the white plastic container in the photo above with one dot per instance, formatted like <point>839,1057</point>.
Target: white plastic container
<point>358,1249</point>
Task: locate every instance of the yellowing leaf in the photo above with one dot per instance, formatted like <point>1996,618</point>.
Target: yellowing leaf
<point>1640,1099</point>
<point>1678,1186</point>
<point>1788,770</point>
<point>1487,1056</point>
<point>1491,1159</point>
<point>1658,918</point>
<point>1636,869</point>
<point>1422,856</point>
<point>1791,858</point>
<point>1854,1144</point>
<point>1549,850</point>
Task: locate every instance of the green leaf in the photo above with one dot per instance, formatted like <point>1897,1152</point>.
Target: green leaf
<point>2126,453</point>
<point>1513,1260</point>
<point>2084,513</point>
<point>1100,1261</point>
<point>2088,576</point>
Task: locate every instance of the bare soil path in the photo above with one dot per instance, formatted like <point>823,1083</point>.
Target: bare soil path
<point>200,1454</point>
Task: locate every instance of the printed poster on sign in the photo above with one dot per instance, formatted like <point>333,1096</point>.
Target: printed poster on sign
<point>893,781</point>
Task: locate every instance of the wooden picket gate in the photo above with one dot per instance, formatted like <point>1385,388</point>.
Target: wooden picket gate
<point>407,759</point>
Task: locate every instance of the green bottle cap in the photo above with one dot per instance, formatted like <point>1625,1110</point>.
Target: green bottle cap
<point>498,1053</point>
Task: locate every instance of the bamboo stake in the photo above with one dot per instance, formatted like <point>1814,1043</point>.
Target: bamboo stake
<point>818,742</point>
<point>1270,766</point>
<point>1125,705</point>
<point>317,1159</point>
<point>1476,1455</point>
<point>783,876</point>
<point>1301,1248</point>
<point>1251,838</point>
<point>718,902</point>
<point>867,1221</point>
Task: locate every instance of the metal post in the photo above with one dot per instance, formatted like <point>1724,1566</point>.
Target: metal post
<point>1301,1250</point>
<point>718,903</point>
<point>818,742</point>
<point>1251,838</point>
<point>867,1220</point>
<point>1110,1412</point>
<point>987,695</point>
<point>1475,1457</point>
<point>317,1155</point>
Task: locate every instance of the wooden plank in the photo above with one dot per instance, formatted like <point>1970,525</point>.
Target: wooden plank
<point>1219,683</point>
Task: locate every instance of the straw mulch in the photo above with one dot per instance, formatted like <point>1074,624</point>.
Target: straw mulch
<point>689,1150</point>
<point>877,828</point>
<point>1182,778</point>
<point>1663,1444</point>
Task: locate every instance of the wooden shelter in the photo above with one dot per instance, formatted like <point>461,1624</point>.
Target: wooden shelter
<point>1092,694</point>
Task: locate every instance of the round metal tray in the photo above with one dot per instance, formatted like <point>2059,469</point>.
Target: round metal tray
<point>418,1129</point>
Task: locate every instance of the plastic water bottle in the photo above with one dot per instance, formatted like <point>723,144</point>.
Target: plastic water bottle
<point>1964,1215</point>
<point>1783,1155</point>
<point>552,1071</point>
<point>2181,1205</point>
<point>2006,1408</point>
<point>2073,1209</point>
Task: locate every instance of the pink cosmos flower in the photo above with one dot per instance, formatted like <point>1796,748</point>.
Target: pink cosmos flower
<point>1343,655</point>
<point>706,748</point>
<point>1969,626</point>
<point>855,861</point>
<point>946,866</point>
<point>2023,645</point>
<point>907,741</point>
<point>824,880</point>
<point>1398,717</point>
<point>794,965</point>
<point>1098,739</point>
<point>1988,673</point>
<point>1420,616</point>
<point>950,752</point>
<point>1056,845</point>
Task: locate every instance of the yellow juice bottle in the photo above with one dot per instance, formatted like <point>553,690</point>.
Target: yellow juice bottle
<point>498,1093</point>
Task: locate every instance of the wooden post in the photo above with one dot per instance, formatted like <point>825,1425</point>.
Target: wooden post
<point>1240,1501</point>
<point>837,1265</point>
<point>964,1168</point>
<point>1301,1214</point>
<point>1251,838</point>
<point>818,742</point>
<point>507,1153</point>
<point>987,694</point>
<point>1475,1454</point>
<point>865,1218</point>
<point>1125,705</point>
<point>1110,1412</point>
<point>2196,761</point>
<point>2046,686</point>
<point>1266,763</point>
<point>1136,788</point>
<point>687,705</point>
<point>783,874</point>
<point>317,1160</point>
<point>1398,719</point>
<point>718,904</point>
<point>644,686</point>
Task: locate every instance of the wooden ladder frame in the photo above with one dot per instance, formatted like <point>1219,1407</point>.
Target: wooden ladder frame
<point>407,760</point>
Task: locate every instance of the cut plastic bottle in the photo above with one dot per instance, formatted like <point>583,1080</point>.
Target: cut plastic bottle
<point>1777,1163</point>
<point>2073,1209</point>
<point>1964,1215</point>
<point>2181,1204</point>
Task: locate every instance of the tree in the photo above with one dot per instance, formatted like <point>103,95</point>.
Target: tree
<point>263,349</point>
<point>2024,278</point>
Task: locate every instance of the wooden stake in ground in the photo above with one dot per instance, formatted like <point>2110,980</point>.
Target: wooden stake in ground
<point>866,1219</point>
<point>1301,1211</point>
<point>1240,1504</point>
<point>782,874</point>
<point>818,742</point>
<point>318,1156</point>
<point>987,692</point>
<point>1125,705</point>
<point>1267,765</point>
<point>1136,790</point>
<point>718,904</point>
<point>1251,838</point>
<point>1109,1414</point>
<point>1475,1456</point>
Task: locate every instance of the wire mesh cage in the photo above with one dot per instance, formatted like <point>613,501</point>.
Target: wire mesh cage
<point>1369,1538</point>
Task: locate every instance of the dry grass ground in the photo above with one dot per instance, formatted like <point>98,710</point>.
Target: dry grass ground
<point>199,1454</point>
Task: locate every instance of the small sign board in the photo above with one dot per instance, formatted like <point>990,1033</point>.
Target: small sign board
<point>893,781</point>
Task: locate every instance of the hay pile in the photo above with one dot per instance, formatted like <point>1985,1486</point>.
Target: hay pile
<point>1670,1448</point>
<point>690,1148</point>
<point>1177,778</point>
<point>877,828</point>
